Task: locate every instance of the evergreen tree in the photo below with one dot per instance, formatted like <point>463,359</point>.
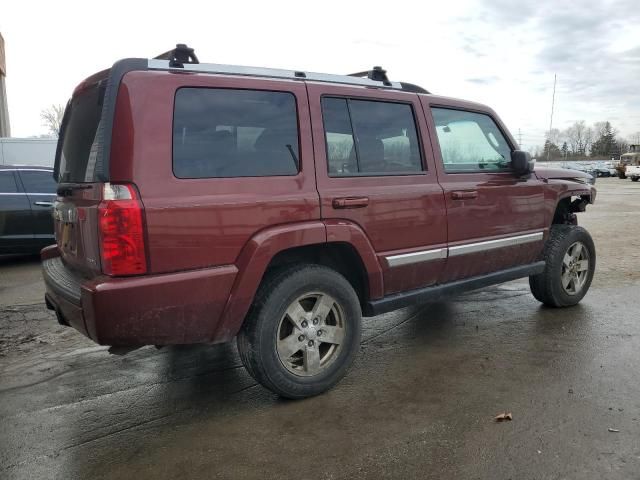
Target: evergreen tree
<point>551,151</point>
<point>605,145</point>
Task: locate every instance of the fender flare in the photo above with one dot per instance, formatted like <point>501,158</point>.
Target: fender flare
<point>252,263</point>
<point>263,246</point>
<point>348,232</point>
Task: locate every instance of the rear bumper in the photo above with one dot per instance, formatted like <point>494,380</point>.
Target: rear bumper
<point>165,309</point>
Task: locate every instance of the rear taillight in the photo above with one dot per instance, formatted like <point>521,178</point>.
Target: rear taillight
<point>122,243</point>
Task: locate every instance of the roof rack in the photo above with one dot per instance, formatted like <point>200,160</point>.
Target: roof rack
<point>185,58</point>
<point>179,56</point>
<point>377,74</point>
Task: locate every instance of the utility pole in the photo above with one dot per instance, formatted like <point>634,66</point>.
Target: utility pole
<point>553,101</point>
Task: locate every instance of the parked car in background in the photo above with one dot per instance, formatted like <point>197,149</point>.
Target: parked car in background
<point>202,203</point>
<point>611,165</point>
<point>27,194</point>
<point>581,167</point>
<point>600,169</point>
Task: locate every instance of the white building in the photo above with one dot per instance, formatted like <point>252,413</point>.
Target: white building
<point>28,151</point>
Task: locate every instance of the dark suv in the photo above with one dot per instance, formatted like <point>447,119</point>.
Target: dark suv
<point>200,202</point>
<point>26,197</point>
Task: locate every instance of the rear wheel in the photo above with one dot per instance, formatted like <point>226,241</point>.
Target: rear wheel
<point>303,331</point>
<point>570,258</point>
<point>634,179</point>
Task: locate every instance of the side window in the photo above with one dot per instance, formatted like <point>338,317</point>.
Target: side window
<point>470,142</point>
<point>234,133</point>
<point>7,182</point>
<point>370,137</point>
<point>38,181</point>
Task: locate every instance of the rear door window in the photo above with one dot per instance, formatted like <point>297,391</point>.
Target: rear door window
<point>470,142</point>
<point>221,133</point>
<point>78,156</point>
<point>366,137</point>
<point>35,181</point>
<point>7,182</point>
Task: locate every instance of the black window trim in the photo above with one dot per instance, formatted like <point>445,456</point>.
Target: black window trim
<point>507,170</point>
<point>199,87</point>
<point>22,184</point>
<point>421,150</point>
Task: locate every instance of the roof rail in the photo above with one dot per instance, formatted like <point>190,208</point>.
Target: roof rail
<point>185,58</point>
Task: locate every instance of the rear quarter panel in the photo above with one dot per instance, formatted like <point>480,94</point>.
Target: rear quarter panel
<point>196,223</point>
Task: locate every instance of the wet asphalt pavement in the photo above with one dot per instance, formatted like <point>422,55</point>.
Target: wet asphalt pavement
<point>418,403</point>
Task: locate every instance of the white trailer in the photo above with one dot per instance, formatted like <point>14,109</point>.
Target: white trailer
<point>28,151</point>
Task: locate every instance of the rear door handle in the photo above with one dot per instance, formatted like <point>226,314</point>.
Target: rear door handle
<point>44,204</point>
<point>464,195</point>
<point>350,202</point>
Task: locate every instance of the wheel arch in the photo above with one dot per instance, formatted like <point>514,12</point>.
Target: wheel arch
<point>341,247</point>
<point>569,201</point>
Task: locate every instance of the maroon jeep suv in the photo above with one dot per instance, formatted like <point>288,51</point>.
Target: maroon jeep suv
<point>202,202</point>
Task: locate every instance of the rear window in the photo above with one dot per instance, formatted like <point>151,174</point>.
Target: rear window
<point>79,147</point>
<point>221,133</point>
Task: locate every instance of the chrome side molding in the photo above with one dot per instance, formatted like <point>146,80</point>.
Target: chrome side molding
<point>475,247</point>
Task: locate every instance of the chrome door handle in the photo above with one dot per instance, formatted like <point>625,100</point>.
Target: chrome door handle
<point>350,202</point>
<point>44,204</point>
<point>468,195</point>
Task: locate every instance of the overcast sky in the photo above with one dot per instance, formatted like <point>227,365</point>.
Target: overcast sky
<point>499,52</point>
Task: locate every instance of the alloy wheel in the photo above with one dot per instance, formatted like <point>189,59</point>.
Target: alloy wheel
<point>575,268</point>
<point>310,334</point>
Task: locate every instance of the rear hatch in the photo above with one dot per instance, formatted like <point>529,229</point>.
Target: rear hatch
<point>78,173</point>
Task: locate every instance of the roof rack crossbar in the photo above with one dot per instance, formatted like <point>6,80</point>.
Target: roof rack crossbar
<point>179,56</point>
<point>377,74</point>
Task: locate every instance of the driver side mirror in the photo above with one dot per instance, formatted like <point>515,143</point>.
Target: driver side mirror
<point>521,162</point>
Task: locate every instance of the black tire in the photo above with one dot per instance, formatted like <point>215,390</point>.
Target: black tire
<point>257,340</point>
<point>634,179</point>
<point>547,286</point>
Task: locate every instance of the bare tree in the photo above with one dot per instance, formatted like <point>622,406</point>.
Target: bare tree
<point>553,136</point>
<point>52,118</point>
<point>634,138</point>
<point>576,134</point>
<point>622,144</point>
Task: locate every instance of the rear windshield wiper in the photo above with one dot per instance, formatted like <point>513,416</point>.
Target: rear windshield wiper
<point>67,189</point>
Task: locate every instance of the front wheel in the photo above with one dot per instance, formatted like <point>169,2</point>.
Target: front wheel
<point>634,179</point>
<point>570,257</point>
<point>302,332</point>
